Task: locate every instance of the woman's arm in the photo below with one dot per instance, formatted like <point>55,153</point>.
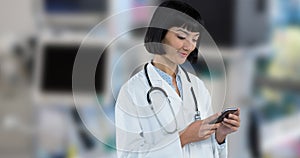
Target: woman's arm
<point>128,141</point>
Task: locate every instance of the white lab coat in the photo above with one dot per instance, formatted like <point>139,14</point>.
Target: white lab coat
<point>138,132</point>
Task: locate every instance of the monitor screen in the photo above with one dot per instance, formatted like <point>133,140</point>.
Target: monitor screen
<point>75,6</point>
<point>57,68</point>
<point>218,18</point>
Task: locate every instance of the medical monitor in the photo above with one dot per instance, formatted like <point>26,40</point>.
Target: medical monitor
<point>73,13</point>
<point>54,69</point>
<point>235,23</point>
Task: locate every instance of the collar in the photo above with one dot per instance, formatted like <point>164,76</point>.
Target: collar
<point>178,71</point>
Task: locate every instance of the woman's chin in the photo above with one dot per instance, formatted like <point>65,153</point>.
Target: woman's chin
<point>181,61</point>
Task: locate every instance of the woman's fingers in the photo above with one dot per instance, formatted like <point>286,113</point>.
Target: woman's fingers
<point>208,129</point>
<point>211,118</point>
<point>233,119</point>
<point>205,133</point>
<point>232,122</point>
<point>237,112</point>
<point>210,126</point>
<point>234,128</point>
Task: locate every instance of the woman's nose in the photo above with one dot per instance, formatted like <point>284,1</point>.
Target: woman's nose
<point>188,45</point>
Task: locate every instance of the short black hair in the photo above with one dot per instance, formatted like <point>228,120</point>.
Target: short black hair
<point>172,14</point>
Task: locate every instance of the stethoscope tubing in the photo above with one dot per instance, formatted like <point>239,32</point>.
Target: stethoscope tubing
<point>197,113</point>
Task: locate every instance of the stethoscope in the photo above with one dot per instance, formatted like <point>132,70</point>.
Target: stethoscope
<point>197,112</point>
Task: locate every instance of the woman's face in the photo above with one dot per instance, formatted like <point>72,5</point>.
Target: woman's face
<point>178,44</point>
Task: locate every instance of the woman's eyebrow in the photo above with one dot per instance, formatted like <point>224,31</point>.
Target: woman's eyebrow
<point>184,31</point>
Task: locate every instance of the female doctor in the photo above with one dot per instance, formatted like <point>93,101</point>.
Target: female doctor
<point>164,111</point>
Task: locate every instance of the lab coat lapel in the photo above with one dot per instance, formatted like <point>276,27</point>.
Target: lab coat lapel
<point>154,77</point>
<point>188,101</point>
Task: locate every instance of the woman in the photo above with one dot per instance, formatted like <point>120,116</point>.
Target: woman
<point>159,110</point>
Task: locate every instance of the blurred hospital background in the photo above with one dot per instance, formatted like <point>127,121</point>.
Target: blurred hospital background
<point>259,41</point>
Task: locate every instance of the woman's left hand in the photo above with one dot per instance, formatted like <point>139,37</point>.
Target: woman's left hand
<point>229,125</point>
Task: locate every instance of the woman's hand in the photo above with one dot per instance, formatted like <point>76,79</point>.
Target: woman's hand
<point>199,130</point>
<point>228,126</point>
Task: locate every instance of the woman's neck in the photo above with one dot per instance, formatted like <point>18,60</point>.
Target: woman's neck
<point>165,65</point>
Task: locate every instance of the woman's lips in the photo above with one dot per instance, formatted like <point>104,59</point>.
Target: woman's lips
<point>183,54</point>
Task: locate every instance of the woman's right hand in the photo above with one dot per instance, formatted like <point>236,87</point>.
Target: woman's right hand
<point>199,130</point>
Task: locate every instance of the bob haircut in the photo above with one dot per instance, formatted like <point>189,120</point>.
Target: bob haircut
<point>172,14</point>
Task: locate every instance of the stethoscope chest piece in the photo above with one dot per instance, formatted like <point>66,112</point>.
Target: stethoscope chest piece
<point>197,116</point>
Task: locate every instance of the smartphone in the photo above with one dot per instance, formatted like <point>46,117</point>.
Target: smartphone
<point>224,114</point>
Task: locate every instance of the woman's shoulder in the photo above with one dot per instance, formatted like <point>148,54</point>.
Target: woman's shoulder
<point>135,88</point>
<point>135,83</point>
<point>139,77</point>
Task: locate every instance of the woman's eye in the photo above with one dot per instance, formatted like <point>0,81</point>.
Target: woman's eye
<point>181,37</point>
